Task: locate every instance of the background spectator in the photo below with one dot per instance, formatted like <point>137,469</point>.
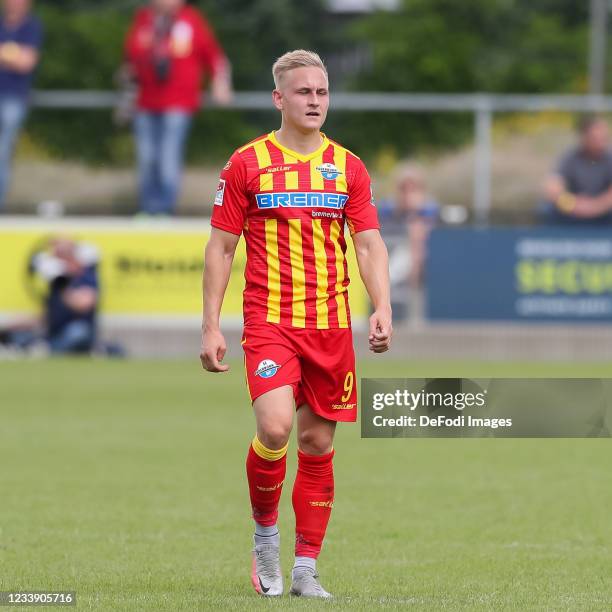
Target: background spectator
<point>413,212</point>
<point>69,325</point>
<point>170,48</point>
<point>580,191</point>
<point>405,225</point>
<point>20,41</point>
<point>72,302</point>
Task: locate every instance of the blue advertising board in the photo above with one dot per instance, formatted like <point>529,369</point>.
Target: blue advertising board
<point>519,274</point>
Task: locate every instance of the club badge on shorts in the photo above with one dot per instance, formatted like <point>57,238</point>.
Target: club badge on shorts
<point>267,368</point>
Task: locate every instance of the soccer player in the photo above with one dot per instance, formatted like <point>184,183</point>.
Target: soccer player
<point>289,192</point>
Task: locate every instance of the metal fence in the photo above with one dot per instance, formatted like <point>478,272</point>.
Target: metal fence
<point>482,106</point>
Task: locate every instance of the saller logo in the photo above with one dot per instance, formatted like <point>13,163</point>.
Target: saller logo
<point>329,171</point>
<point>322,504</point>
<point>301,199</point>
<point>272,488</point>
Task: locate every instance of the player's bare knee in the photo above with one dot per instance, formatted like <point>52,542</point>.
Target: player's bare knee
<point>274,435</point>
<point>315,442</point>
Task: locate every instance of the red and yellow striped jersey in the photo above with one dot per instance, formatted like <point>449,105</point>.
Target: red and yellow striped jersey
<point>291,209</point>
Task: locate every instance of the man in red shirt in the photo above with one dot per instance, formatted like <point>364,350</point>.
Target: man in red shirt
<point>171,49</point>
<point>290,192</point>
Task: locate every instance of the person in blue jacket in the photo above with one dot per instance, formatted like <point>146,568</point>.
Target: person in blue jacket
<point>20,42</point>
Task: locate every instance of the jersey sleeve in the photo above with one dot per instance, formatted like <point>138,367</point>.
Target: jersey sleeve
<point>360,210</point>
<point>231,200</point>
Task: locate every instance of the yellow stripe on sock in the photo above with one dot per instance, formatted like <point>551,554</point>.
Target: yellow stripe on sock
<point>268,453</point>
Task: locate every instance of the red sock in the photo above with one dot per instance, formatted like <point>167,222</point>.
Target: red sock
<point>313,498</point>
<point>265,475</point>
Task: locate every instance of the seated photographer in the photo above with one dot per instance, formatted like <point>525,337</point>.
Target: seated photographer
<point>68,271</point>
<point>72,301</point>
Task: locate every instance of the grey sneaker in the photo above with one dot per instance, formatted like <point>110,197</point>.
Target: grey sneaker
<point>305,583</point>
<point>266,571</point>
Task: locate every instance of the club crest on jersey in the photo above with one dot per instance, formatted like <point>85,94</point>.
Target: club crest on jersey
<point>220,193</point>
<point>329,171</point>
<point>267,368</point>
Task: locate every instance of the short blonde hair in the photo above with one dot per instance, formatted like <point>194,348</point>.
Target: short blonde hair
<point>296,59</point>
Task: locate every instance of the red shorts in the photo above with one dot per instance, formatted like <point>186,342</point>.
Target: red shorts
<point>318,363</point>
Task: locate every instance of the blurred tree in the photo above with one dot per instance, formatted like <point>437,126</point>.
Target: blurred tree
<point>82,50</point>
<point>84,46</point>
<point>426,46</point>
<point>255,32</point>
<point>480,45</point>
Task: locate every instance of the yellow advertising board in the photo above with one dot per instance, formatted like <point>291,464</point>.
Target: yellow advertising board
<point>146,268</point>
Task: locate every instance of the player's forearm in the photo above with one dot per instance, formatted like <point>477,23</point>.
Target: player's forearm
<point>373,262</point>
<point>217,269</point>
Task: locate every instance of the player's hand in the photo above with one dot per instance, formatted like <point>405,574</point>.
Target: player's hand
<point>213,351</point>
<point>381,331</point>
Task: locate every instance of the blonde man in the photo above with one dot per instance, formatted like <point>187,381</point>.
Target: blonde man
<point>289,192</point>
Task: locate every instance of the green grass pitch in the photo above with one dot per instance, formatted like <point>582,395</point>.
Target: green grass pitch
<point>125,482</point>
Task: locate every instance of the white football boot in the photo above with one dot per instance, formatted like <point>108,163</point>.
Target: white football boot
<point>266,573</point>
<point>305,583</point>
